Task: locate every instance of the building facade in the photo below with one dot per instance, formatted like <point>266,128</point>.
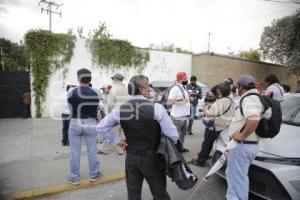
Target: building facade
<point>212,68</point>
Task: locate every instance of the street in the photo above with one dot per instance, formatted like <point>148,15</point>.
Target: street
<point>32,157</point>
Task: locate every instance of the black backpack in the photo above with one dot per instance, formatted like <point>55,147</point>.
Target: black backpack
<point>269,126</point>
<point>165,96</point>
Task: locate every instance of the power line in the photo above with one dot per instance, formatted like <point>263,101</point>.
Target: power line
<point>49,10</point>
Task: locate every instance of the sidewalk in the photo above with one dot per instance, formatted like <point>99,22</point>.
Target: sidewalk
<point>32,158</point>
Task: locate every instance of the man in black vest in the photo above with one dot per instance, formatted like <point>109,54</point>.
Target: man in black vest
<point>142,122</point>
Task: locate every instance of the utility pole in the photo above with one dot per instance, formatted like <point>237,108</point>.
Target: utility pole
<point>208,44</point>
<point>49,10</point>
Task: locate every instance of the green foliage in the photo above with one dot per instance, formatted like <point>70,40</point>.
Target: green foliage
<point>169,48</point>
<point>115,53</point>
<point>46,52</point>
<point>280,42</point>
<point>12,54</point>
<point>80,32</point>
<point>180,50</point>
<point>252,54</point>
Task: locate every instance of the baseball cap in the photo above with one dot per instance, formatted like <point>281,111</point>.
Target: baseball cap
<point>246,80</point>
<point>118,76</point>
<point>180,75</point>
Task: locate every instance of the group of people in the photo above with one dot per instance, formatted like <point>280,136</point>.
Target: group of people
<point>134,123</point>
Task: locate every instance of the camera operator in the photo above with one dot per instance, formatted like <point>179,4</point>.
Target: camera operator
<point>195,93</point>
<point>218,114</point>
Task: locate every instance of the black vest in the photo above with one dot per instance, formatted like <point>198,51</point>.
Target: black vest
<point>142,130</point>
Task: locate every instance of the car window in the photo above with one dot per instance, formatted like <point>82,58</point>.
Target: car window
<point>291,110</point>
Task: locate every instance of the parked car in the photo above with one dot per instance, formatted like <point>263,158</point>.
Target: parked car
<point>161,87</point>
<point>275,172</point>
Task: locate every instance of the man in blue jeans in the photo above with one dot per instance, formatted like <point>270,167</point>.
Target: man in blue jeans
<point>242,129</point>
<point>83,102</point>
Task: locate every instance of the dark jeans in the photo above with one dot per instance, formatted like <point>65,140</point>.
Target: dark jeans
<point>65,128</point>
<point>192,117</point>
<point>209,138</point>
<point>26,111</point>
<point>140,165</point>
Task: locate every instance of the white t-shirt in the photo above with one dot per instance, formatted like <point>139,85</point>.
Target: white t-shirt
<point>65,105</point>
<point>276,90</point>
<point>251,107</point>
<point>179,110</point>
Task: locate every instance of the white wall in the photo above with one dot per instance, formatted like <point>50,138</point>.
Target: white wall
<point>162,66</point>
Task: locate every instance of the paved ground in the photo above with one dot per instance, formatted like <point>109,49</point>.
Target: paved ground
<point>214,189</point>
<point>31,156</point>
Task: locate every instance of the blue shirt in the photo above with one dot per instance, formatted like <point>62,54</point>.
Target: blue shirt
<point>104,128</point>
<point>83,102</point>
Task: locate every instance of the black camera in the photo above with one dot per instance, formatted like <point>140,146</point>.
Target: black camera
<point>210,97</point>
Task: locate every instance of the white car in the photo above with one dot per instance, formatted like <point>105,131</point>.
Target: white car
<point>275,172</point>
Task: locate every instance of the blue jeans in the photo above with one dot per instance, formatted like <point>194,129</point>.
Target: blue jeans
<point>238,163</point>
<point>83,128</point>
<point>192,117</point>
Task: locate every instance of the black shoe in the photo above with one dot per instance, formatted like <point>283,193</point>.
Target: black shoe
<point>184,150</point>
<point>191,133</point>
<point>198,164</point>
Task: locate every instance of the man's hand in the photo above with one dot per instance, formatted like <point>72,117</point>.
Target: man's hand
<point>238,136</point>
<point>123,144</point>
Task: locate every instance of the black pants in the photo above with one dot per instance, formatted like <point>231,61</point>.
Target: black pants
<point>26,111</point>
<point>145,165</point>
<point>209,138</point>
<point>65,128</point>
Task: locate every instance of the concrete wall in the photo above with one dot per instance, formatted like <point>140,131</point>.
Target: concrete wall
<point>162,66</point>
<point>212,69</point>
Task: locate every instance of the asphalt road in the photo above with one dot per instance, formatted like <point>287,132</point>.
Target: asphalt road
<point>32,157</point>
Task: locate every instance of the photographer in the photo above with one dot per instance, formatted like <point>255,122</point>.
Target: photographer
<point>195,93</point>
<point>218,116</point>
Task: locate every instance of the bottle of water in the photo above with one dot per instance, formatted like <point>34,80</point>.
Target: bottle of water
<point>268,113</point>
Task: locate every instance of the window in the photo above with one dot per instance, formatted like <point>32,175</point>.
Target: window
<point>291,110</point>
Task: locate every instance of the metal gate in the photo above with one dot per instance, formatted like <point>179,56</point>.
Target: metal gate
<point>12,86</point>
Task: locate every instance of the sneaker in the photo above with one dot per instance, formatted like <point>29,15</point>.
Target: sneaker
<point>198,164</point>
<point>99,175</point>
<point>72,181</point>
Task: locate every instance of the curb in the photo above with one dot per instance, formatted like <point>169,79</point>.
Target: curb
<point>57,189</point>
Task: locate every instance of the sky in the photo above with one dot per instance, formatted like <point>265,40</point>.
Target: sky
<point>234,24</point>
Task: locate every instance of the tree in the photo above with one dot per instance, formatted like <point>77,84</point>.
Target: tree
<point>280,42</point>
<point>169,48</point>
<point>252,54</point>
<point>12,54</point>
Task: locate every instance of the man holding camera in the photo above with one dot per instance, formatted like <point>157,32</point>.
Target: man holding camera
<point>195,93</point>
<point>217,117</point>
